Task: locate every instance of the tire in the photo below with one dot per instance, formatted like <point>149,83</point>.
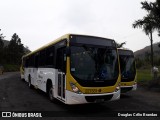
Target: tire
<point>51,94</point>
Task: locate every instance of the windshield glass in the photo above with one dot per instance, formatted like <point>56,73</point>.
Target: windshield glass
<point>127,64</point>
<point>94,63</point>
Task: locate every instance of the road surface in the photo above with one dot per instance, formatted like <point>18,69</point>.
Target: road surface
<point>15,95</point>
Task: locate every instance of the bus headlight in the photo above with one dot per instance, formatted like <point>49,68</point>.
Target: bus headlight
<point>75,88</point>
<point>118,87</point>
<point>135,83</point>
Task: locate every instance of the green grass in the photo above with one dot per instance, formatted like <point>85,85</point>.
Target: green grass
<point>144,76</point>
<point>11,68</point>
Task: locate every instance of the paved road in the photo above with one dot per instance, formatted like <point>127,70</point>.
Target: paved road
<point>16,96</point>
<point>8,75</point>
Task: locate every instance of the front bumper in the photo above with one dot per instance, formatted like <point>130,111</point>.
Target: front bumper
<point>74,98</point>
<point>125,89</point>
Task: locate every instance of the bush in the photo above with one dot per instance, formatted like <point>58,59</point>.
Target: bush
<point>11,68</point>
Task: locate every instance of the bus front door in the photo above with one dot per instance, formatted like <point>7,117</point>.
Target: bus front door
<point>61,65</point>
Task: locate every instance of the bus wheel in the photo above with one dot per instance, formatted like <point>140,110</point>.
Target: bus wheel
<point>51,94</point>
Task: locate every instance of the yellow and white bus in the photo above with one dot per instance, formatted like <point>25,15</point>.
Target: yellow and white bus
<point>75,69</point>
<point>128,70</point>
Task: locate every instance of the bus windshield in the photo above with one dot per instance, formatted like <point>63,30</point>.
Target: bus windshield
<point>127,64</point>
<point>94,63</point>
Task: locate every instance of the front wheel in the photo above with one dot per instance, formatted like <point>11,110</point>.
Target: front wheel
<point>51,94</point>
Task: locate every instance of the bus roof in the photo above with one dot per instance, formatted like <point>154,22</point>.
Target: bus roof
<point>56,41</point>
<point>122,51</point>
<point>47,45</point>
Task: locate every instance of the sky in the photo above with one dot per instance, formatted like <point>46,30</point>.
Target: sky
<point>38,22</point>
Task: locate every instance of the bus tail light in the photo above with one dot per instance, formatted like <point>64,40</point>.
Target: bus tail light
<point>75,88</point>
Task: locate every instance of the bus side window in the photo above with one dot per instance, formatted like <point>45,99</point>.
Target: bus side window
<point>36,59</point>
<point>50,57</point>
<point>23,62</point>
<point>61,59</point>
<point>26,62</point>
<point>30,61</point>
<point>42,58</point>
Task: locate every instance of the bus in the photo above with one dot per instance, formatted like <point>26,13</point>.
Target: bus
<point>128,70</point>
<point>75,69</point>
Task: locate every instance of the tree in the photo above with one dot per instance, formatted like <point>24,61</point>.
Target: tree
<point>147,57</point>
<point>1,47</point>
<point>148,24</point>
<point>155,11</point>
<point>119,45</point>
<point>15,49</point>
<point>139,62</point>
<point>1,38</point>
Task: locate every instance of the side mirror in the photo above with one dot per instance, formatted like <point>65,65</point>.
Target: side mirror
<point>68,51</point>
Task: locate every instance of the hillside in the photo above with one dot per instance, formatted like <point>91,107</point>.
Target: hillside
<point>141,53</point>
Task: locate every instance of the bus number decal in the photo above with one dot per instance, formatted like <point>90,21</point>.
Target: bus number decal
<point>91,91</point>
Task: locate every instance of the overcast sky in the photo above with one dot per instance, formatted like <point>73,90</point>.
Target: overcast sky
<point>38,22</point>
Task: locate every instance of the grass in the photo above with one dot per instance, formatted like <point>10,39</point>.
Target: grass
<point>144,76</point>
<point>11,68</point>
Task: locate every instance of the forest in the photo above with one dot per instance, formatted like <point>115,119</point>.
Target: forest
<point>11,52</point>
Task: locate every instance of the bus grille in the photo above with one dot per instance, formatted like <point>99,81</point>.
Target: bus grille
<point>98,98</point>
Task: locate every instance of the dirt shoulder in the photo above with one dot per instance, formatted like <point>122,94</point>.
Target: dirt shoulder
<point>6,75</point>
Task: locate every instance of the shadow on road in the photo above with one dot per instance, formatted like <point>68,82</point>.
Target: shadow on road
<point>91,109</point>
<point>125,96</point>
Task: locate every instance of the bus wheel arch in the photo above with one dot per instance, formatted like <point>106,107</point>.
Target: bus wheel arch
<point>49,90</point>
